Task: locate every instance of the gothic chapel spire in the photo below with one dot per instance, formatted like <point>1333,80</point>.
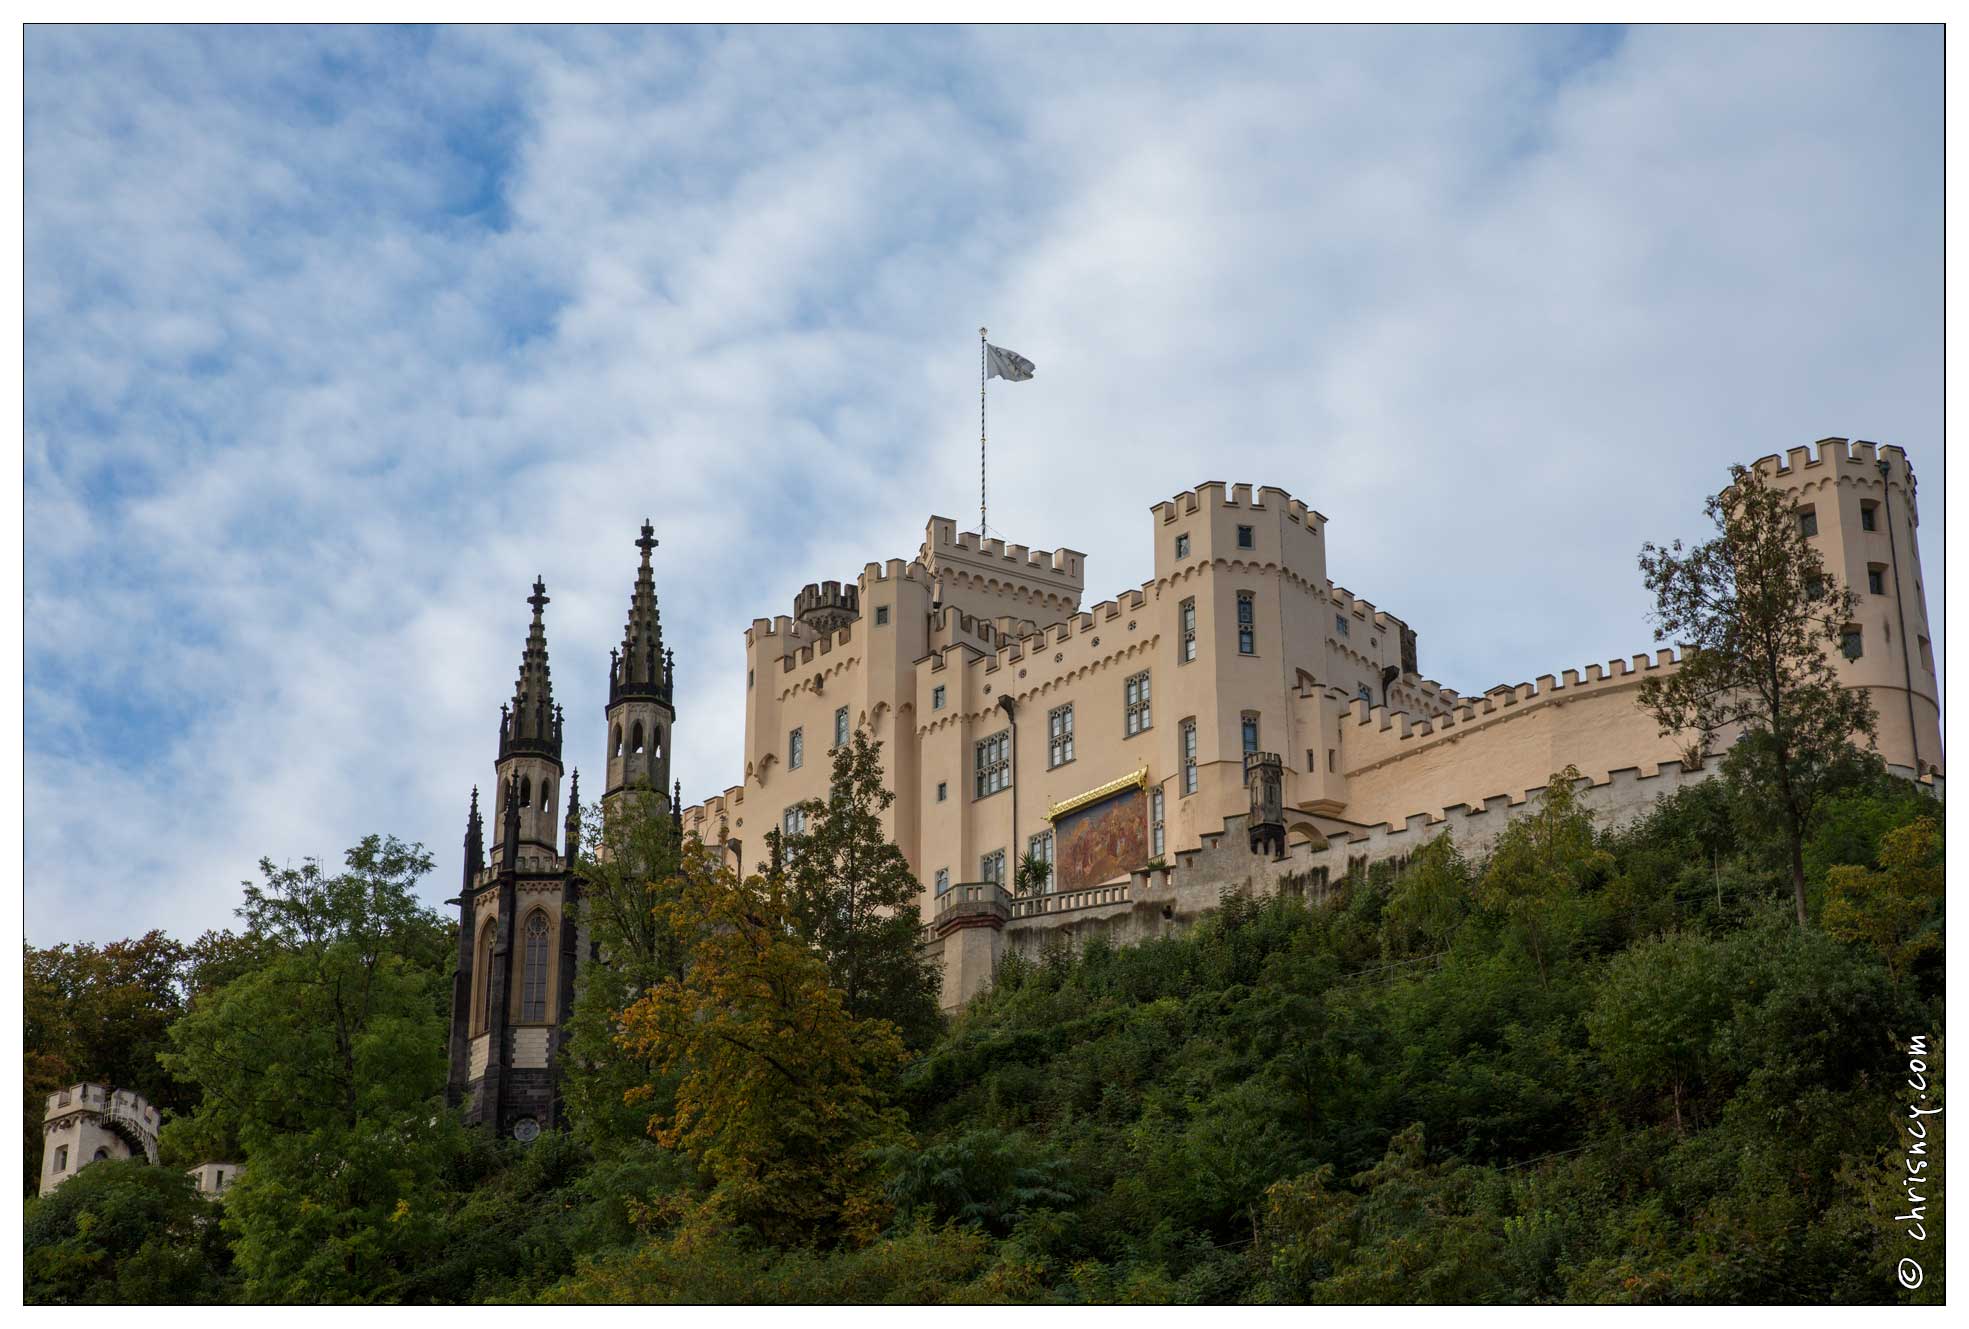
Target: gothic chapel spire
<point>533,724</point>
<point>640,677</point>
<point>642,667</point>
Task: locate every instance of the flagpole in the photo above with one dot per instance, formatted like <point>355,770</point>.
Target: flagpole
<point>981,432</point>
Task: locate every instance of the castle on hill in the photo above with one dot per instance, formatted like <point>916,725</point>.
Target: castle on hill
<point>1238,722</point>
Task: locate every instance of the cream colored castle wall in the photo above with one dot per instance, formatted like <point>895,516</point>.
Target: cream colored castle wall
<point>1495,747</point>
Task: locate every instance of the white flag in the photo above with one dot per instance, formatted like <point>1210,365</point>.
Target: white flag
<point>1008,365</point>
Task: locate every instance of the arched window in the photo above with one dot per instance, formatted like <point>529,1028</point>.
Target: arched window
<point>656,739</point>
<point>533,991</point>
<point>618,740</point>
<point>636,737</point>
<point>482,975</point>
<point>101,1154</point>
<point>526,792</point>
<point>546,794</point>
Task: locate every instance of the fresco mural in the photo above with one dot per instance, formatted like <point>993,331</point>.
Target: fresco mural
<point>1101,841</point>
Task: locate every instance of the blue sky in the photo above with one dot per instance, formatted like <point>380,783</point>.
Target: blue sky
<point>336,337</point>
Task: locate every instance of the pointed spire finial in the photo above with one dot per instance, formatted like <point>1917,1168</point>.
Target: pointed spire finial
<point>649,540</point>
<point>539,599</point>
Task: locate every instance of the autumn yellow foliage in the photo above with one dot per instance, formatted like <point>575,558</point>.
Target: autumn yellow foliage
<point>782,1098</point>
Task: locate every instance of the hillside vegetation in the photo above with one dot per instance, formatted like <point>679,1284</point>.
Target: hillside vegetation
<point>1594,1067</point>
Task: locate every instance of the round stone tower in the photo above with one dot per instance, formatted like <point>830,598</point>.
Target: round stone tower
<point>827,607</point>
<point>1856,504</point>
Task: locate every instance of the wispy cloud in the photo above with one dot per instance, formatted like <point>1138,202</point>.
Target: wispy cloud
<point>336,337</point>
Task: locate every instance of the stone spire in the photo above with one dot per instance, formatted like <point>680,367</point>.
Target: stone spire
<point>534,723</point>
<point>642,667</point>
<point>474,841</point>
<point>572,827</point>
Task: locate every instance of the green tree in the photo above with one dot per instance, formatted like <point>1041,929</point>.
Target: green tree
<point>1430,900</point>
<point>325,1065</point>
<point>1896,910</point>
<point>629,878</point>
<point>124,1233</point>
<point>1758,614</point>
<point>1538,868</point>
<point>851,893</point>
<point>781,1094</point>
<point>1657,1015</point>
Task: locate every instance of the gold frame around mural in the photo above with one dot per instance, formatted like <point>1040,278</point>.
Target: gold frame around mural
<point>1139,779</point>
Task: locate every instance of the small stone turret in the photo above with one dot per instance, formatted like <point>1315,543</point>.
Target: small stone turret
<point>1264,778</point>
<point>827,607</point>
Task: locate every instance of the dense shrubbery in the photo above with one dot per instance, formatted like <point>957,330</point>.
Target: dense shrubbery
<point>1591,1067</point>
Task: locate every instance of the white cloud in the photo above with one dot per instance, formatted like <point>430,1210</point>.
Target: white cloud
<point>336,337</point>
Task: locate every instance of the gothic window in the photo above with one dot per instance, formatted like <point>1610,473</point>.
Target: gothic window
<point>794,821</point>
<point>943,880</point>
<point>796,749</point>
<point>1247,617</point>
<point>991,766</point>
<point>636,737</point>
<point>656,740</point>
<point>100,1155</point>
<point>841,727</point>
<point>991,867</point>
<point>1250,731</point>
<point>533,993</point>
<point>1059,735</point>
<point>526,792</point>
<point>618,740</point>
<point>1189,756</point>
<point>1040,847</point>
<point>1135,701</point>
<point>1155,823</point>
<point>482,975</point>
<point>1186,629</point>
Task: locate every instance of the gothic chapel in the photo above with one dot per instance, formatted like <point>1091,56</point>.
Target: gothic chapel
<point>519,942</point>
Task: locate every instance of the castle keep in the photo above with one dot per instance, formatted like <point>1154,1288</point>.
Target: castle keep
<point>1238,721</point>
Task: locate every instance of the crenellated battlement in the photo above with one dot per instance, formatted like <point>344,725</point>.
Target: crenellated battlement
<point>1216,494</point>
<point>1861,457</point>
<point>1374,734</point>
<point>894,569</point>
<point>943,540</point>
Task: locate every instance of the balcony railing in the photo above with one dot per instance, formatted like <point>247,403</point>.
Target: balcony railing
<point>1061,902</point>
